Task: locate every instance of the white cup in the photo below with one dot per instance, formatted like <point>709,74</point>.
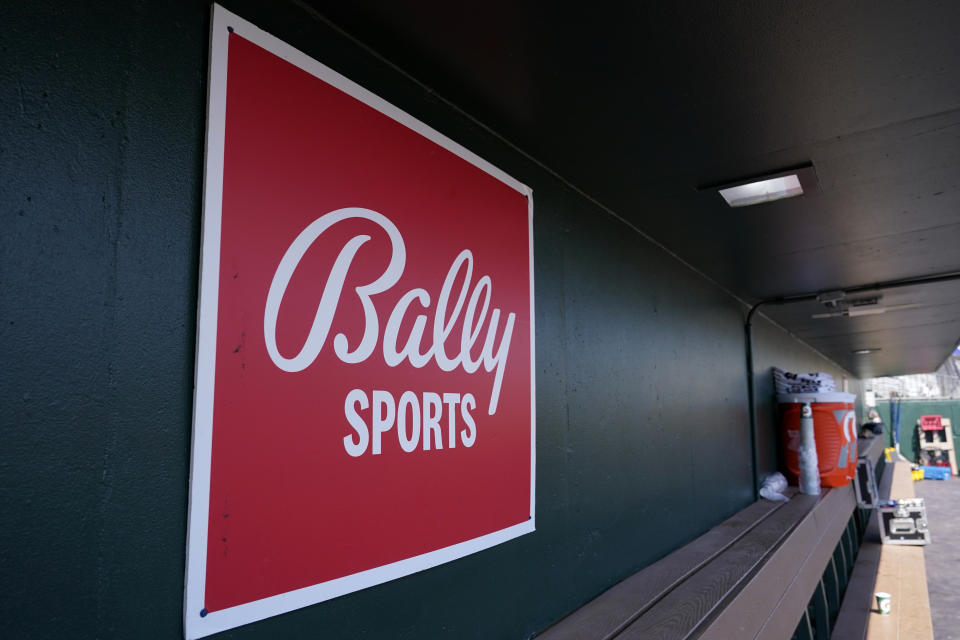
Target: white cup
<point>883,602</point>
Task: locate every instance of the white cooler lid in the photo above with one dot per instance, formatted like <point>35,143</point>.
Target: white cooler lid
<point>827,396</point>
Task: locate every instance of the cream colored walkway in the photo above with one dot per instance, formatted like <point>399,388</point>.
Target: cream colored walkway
<point>897,569</point>
<point>943,554</point>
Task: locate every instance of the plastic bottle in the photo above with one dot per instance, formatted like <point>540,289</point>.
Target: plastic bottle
<point>809,468</point>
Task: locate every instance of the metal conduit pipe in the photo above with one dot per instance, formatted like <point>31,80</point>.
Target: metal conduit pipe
<point>805,297</point>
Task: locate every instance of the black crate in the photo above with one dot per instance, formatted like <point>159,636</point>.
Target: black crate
<point>904,522</point>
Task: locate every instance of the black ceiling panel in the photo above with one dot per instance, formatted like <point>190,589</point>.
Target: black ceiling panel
<point>639,104</point>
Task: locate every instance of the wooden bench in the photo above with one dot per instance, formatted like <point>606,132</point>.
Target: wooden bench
<point>896,569</point>
<point>752,576</point>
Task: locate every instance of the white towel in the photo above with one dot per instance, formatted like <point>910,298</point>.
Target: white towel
<point>817,382</point>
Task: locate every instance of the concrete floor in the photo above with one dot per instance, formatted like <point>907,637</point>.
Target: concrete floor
<point>942,555</point>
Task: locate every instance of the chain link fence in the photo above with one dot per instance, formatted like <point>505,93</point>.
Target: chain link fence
<point>943,384</point>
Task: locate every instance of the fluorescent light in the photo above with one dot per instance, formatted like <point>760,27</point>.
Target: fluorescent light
<point>863,352</point>
<point>864,307</point>
<point>850,312</point>
<point>763,191</point>
<point>865,311</point>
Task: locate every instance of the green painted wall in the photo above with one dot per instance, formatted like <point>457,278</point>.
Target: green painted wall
<point>642,436</point>
<point>910,412</point>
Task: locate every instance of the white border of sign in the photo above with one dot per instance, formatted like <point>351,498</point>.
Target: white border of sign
<point>195,625</point>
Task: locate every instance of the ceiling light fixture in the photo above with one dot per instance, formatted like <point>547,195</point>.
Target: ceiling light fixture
<point>788,183</point>
<point>872,310</point>
<point>850,312</point>
<point>868,307</point>
<point>851,309</point>
<point>762,191</point>
<point>864,352</point>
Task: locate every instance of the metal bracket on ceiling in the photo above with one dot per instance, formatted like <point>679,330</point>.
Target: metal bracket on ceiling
<point>831,298</point>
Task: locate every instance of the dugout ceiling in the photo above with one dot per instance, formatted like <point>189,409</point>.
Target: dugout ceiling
<point>639,105</point>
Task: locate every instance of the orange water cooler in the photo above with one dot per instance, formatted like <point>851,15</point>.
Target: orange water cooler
<point>834,429</point>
